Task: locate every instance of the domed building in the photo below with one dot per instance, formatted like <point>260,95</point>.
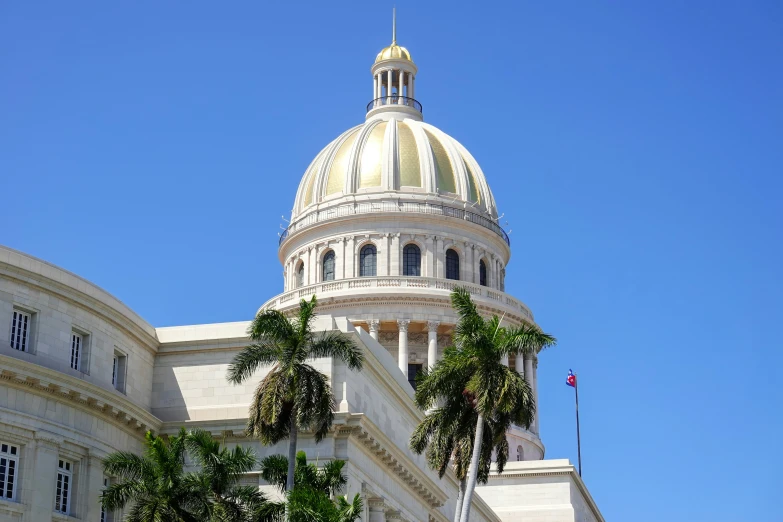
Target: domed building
<point>388,219</point>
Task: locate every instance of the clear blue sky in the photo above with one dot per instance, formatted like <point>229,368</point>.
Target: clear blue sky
<point>636,149</point>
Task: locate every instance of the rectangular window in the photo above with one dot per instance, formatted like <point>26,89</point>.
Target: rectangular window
<point>106,516</point>
<point>77,342</point>
<point>9,464</point>
<point>20,330</point>
<point>119,371</point>
<point>413,369</point>
<point>62,499</point>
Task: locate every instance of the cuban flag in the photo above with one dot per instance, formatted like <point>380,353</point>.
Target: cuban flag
<point>571,379</point>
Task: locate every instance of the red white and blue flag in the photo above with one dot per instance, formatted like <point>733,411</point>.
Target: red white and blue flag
<point>571,379</point>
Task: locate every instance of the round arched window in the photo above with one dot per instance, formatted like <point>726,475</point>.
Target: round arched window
<point>452,264</point>
<point>367,261</point>
<point>300,275</point>
<point>328,268</point>
<point>482,273</point>
<point>411,260</point>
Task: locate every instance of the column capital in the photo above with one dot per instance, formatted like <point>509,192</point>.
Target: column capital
<point>402,324</point>
<point>376,504</point>
<point>374,324</point>
<point>432,326</point>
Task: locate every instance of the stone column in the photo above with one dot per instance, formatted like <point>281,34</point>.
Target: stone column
<point>375,327</point>
<point>394,256</point>
<point>429,258</point>
<point>504,361</point>
<point>47,447</point>
<point>377,510</point>
<point>529,379</point>
<point>341,260</point>
<point>94,486</point>
<point>402,354</point>
<point>468,275</point>
<point>410,87</point>
<point>350,255</point>
<point>440,258</point>
<point>374,88</point>
<point>389,85</point>
<point>432,343</point>
<point>520,364</point>
<point>307,269</point>
<point>400,88</point>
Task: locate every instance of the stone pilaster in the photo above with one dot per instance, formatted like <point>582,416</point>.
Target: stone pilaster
<point>47,447</point>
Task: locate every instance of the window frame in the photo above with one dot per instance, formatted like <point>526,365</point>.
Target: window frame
<point>331,258</point>
<point>10,453</point>
<point>408,263</point>
<point>452,262</point>
<point>119,370</point>
<point>299,275</point>
<point>416,367</point>
<point>22,344</point>
<point>364,254</point>
<point>77,349</point>
<point>482,273</point>
<point>64,481</point>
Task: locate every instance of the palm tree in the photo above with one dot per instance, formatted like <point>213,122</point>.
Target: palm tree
<point>498,394</point>
<point>155,483</point>
<point>294,395</point>
<point>220,470</point>
<point>310,500</point>
<point>446,433</point>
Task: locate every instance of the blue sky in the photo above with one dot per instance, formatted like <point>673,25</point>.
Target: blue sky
<point>634,147</point>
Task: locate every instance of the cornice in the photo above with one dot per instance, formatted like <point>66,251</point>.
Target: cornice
<point>78,393</point>
<point>359,428</point>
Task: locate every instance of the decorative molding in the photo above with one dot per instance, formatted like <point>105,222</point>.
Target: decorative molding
<point>79,394</point>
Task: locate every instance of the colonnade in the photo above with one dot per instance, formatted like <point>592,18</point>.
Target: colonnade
<point>384,84</point>
<point>525,365</point>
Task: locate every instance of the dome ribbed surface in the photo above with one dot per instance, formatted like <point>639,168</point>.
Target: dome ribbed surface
<point>396,156</point>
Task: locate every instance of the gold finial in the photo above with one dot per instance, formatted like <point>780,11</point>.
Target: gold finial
<point>394,25</point>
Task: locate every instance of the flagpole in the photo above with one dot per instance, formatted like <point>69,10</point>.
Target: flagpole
<point>578,441</point>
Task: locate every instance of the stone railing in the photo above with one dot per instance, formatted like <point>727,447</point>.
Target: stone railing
<point>384,283</point>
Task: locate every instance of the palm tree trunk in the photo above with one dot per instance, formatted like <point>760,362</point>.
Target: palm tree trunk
<point>473,470</point>
<point>460,498</point>
<point>289,480</point>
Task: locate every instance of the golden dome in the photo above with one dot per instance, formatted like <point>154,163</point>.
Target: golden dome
<point>403,156</point>
<point>394,52</point>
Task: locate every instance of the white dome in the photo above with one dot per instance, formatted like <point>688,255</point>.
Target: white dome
<point>390,156</point>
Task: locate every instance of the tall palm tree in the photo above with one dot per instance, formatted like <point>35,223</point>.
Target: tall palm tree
<point>220,470</point>
<point>498,395</point>
<point>154,483</point>
<point>311,499</point>
<point>446,434</point>
<point>294,395</point>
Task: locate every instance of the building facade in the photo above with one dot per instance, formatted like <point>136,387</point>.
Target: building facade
<point>389,218</point>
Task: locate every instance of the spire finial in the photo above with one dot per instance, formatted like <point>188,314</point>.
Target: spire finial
<point>394,25</point>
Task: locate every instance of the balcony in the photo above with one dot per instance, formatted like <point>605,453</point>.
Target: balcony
<point>429,287</point>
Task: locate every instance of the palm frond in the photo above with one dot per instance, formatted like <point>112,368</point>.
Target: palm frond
<point>337,345</point>
<point>261,353</point>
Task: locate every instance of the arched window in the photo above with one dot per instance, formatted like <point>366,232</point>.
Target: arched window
<point>411,260</point>
<point>328,269</point>
<point>452,264</point>
<point>520,453</point>
<point>482,273</point>
<point>300,275</point>
<point>367,261</point>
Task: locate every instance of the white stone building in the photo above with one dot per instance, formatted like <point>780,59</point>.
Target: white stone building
<point>388,219</point>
